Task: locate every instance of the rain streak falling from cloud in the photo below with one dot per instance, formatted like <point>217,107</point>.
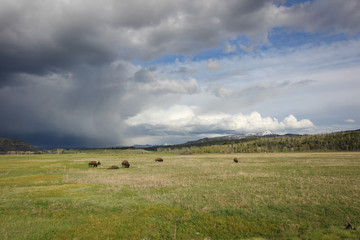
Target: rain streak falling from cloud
<point>90,74</point>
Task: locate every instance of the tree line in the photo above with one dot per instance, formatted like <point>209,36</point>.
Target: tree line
<point>339,141</point>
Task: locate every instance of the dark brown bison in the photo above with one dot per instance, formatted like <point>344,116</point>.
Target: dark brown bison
<point>349,226</point>
<point>113,167</point>
<point>93,164</point>
<point>236,160</point>
<point>159,160</point>
<point>125,164</point>
<point>99,163</point>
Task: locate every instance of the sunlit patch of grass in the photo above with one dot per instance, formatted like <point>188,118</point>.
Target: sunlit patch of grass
<point>49,191</point>
<point>31,179</point>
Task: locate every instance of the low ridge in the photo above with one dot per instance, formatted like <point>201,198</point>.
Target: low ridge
<point>9,145</point>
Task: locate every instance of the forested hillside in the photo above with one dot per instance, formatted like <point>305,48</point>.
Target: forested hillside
<point>340,141</point>
<point>15,146</point>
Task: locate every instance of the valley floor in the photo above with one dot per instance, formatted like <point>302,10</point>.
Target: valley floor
<point>205,196</point>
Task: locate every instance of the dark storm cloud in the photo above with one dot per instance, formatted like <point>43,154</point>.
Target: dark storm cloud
<point>42,36</point>
<point>65,66</point>
<point>325,15</point>
<point>89,103</point>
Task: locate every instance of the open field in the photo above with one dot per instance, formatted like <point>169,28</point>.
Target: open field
<point>207,196</point>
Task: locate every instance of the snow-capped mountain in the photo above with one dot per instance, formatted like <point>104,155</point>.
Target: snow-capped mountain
<point>234,137</point>
<point>265,133</point>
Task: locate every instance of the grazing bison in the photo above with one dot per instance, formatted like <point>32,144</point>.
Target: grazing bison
<point>159,160</point>
<point>349,226</point>
<point>93,164</point>
<point>125,164</point>
<point>236,160</point>
<point>113,167</point>
<point>99,163</point>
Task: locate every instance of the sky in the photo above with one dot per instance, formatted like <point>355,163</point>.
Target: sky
<point>80,73</point>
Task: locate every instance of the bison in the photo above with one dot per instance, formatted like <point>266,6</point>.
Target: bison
<point>113,167</point>
<point>93,164</point>
<point>125,164</point>
<point>349,226</point>
<point>159,160</point>
<point>236,160</point>
<point>99,163</point>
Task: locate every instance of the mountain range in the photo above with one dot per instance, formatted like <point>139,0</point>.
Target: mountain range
<point>202,141</point>
<point>233,137</point>
<point>342,140</point>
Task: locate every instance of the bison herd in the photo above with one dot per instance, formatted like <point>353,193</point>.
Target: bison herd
<point>126,164</point>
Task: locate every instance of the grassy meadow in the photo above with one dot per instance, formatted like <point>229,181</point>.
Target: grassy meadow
<point>205,196</point>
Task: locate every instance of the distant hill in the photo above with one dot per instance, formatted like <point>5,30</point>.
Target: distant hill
<point>231,137</point>
<point>339,141</point>
<point>219,140</point>
<point>9,145</point>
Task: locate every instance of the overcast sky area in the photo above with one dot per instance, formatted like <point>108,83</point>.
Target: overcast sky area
<point>80,73</point>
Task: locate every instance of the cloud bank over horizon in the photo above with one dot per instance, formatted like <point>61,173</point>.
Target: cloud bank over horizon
<point>182,120</point>
<point>90,74</point>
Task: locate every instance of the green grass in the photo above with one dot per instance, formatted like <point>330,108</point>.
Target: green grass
<point>208,196</point>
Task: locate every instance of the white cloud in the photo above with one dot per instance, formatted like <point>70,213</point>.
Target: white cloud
<point>185,119</point>
<point>90,103</point>
<point>302,80</point>
<point>213,64</point>
<point>229,48</point>
<point>76,58</point>
<point>220,91</point>
<point>166,86</point>
<point>121,102</point>
<point>69,33</point>
<point>292,123</point>
<point>247,48</point>
<point>350,121</point>
<point>177,115</point>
